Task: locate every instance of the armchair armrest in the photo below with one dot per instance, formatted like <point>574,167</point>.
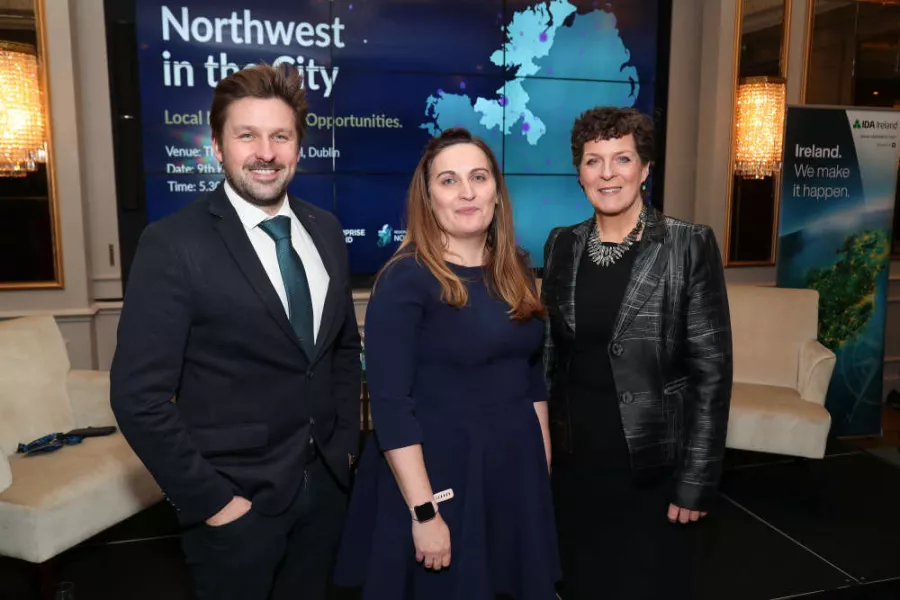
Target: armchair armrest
<point>816,366</point>
<point>89,398</point>
<point>5,472</point>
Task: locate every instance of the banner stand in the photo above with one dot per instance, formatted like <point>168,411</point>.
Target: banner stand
<point>837,201</point>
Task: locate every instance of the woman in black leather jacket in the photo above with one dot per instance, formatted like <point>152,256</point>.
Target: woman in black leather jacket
<point>639,396</point>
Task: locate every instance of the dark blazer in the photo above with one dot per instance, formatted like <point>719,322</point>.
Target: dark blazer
<point>202,322</point>
<point>670,352</point>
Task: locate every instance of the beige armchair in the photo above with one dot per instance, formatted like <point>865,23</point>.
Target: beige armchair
<point>49,503</point>
<point>781,372</point>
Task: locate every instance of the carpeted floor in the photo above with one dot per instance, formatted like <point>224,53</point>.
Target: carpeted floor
<point>783,528</point>
<point>889,453</point>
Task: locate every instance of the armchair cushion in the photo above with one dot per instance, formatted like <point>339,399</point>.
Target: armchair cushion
<point>33,368</point>
<point>89,398</point>
<point>58,500</point>
<point>816,366</point>
<point>767,418</point>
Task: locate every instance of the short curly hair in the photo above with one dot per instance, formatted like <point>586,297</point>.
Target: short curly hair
<point>608,123</point>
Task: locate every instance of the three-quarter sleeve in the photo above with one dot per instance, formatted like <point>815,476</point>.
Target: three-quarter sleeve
<point>537,387</point>
<point>393,321</point>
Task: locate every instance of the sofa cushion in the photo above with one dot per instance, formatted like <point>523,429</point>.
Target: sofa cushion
<point>34,365</point>
<point>58,500</point>
<point>774,419</point>
<point>768,327</point>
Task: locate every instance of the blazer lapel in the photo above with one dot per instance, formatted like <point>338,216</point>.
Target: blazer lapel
<point>232,231</point>
<point>648,268</point>
<point>330,261</point>
<point>580,235</point>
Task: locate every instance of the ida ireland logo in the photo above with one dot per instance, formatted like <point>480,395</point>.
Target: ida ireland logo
<point>870,124</point>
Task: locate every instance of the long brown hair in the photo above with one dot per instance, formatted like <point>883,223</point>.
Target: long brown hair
<point>506,267</point>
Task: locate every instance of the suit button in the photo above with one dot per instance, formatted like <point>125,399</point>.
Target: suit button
<point>309,374</point>
<point>617,349</point>
<point>627,398</point>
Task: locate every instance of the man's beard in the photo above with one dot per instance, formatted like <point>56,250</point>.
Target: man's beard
<point>244,186</point>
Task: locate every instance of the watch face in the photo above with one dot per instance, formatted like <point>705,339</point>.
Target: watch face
<point>424,512</point>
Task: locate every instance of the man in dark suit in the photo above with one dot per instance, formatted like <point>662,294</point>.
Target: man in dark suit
<point>236,378</point>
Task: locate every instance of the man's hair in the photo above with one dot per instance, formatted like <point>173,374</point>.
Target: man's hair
<point>260,81</point>
<point>610,123</point>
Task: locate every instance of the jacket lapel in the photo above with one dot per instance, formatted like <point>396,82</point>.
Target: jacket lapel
<point>330,261</point>
<point>579,240</point>
<point>232,231</point>
<point>646,272</point>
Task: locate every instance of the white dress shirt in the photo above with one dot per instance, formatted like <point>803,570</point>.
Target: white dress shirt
<point>251,216</point>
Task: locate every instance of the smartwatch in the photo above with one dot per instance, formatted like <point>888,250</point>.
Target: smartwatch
<point>424,512</point>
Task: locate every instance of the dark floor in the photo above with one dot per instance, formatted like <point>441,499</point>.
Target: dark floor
<point>783,528</point>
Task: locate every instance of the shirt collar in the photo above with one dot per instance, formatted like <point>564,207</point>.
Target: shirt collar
<point>250,215</point>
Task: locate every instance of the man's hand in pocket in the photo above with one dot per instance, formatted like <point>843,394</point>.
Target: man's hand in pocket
<point>232,511</point>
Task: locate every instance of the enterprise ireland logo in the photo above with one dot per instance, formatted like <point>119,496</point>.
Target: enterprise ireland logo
<point>351,234</point>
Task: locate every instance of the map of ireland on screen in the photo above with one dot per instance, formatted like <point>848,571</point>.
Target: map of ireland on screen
<point>561,63</point>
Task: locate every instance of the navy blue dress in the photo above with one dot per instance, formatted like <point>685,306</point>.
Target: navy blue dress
<point>461,382</point>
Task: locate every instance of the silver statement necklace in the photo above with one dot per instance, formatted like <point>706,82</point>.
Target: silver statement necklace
<point>605,255</point>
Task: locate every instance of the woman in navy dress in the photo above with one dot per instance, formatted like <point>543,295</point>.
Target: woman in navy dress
<point>453,344</point>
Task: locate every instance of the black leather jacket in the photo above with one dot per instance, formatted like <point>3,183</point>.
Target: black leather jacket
<point>671,351</point>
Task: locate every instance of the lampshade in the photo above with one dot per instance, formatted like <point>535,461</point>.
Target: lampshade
<point>759,127</point>
<point>22,124</point>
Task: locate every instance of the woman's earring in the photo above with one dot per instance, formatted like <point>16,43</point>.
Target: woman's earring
<point>644,186</point>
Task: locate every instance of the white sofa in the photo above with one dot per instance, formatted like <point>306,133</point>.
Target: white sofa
<point>49,503</point>
<point>781,372</point>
